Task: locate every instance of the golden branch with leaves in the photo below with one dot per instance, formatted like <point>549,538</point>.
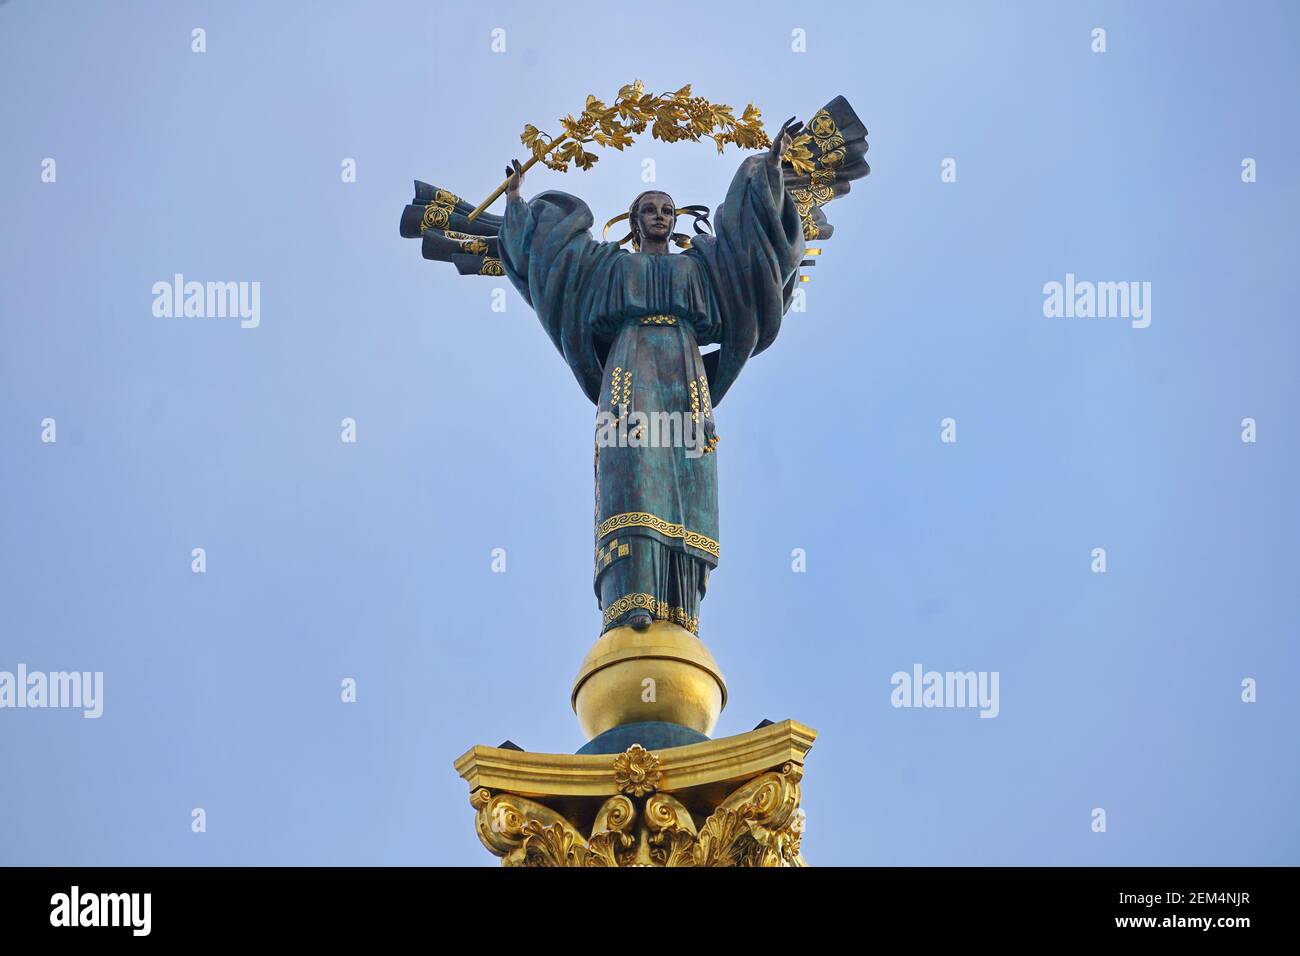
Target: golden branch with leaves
<point>671,117</point>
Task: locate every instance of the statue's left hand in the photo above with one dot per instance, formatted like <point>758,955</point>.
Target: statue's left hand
<point>514,179</point>
<point>782,140</point>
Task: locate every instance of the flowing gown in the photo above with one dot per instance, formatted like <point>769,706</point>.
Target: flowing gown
<point>630,325</point>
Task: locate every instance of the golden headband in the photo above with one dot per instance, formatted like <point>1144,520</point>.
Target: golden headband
<point>685,242</point>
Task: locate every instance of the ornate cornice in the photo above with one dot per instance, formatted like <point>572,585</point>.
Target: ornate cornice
<point>728,802</point>
<point>565,775</point>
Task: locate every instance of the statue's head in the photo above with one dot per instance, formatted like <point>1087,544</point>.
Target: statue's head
<point>652,215</point>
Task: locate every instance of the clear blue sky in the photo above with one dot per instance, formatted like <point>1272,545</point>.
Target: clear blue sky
<point>328,560</point>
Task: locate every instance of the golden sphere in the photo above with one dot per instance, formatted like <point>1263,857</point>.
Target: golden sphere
<point>664,673</point>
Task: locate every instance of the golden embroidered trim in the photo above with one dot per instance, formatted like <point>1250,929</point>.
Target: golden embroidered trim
<point>472,244</point>
<point>828,138</point>
<point>435,217</point>
<point>830,143</point>
<point>611,552</point>
<point>658,320</point>
<point>704,395</point>
<point>643,519</point>
<point>661,610</point>
<point>613,387</point>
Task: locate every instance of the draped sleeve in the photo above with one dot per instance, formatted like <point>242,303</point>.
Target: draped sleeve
<point>549,255</point>
<point>742,278</point>
<point>752,262</point>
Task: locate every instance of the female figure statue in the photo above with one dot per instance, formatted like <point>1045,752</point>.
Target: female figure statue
<point>630,325</point>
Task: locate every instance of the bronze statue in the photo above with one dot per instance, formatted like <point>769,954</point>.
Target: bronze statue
<point>631,324</point>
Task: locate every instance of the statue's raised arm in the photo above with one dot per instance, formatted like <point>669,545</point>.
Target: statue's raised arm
<point>772,209</point>
<point>631,326</point>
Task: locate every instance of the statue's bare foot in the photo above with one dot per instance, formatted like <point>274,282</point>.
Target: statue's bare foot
<point>639,620</point>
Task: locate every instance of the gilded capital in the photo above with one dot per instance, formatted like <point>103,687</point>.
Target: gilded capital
<point>727,802</point>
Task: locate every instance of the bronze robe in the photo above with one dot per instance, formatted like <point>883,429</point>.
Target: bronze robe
<point>630,325</point>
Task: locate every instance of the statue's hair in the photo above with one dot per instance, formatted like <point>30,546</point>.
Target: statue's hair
<point>680,239</point>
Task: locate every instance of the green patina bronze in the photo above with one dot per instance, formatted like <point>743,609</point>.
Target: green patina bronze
<point>631,325</point>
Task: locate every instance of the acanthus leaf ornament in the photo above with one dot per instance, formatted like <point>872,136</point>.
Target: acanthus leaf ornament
<point>757,825</point>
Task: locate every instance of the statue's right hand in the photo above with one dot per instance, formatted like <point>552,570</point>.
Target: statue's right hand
<point>515,179</point>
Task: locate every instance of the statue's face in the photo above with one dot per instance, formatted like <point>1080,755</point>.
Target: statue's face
<point>655,216</point>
